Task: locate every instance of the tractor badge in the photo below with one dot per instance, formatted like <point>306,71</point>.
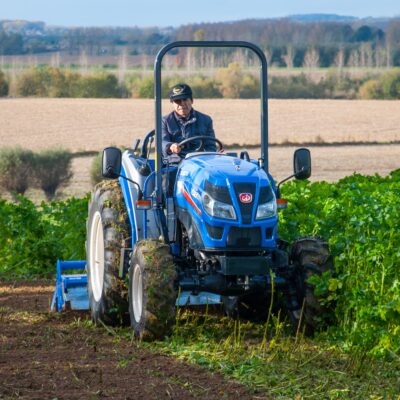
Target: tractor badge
<point>246,197</point>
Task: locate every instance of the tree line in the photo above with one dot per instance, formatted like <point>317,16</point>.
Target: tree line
<point>286,42</point>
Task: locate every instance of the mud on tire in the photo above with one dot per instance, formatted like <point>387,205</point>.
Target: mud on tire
<point>152,295</point>
<point>310,256</point>
<point>107,232</point>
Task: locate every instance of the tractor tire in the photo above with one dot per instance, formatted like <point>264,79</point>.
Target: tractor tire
<point>310,256</point>
<point>152,294</point>
<point>108,232</point>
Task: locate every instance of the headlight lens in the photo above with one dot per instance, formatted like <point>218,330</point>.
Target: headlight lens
<point>267,204</point>
<point>266,210</point>
<point>218,209</point>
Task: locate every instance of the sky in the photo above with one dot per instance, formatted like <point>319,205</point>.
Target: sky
<point>163,13</point>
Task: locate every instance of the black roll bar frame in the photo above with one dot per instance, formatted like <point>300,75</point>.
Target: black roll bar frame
<point>158,99</point>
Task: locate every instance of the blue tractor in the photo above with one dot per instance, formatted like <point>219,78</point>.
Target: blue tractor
<point>213,239</point>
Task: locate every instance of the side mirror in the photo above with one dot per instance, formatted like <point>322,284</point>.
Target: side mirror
<point>302,163</point>
<point>111,164</point>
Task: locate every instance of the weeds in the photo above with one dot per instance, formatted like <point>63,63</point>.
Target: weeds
<point>283,366</point>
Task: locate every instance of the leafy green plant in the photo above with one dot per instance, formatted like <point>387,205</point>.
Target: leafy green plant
<point>34,237</point>
<point>359,217</point>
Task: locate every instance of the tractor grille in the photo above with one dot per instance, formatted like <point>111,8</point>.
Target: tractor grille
<point>246,209</point>
<point>244,237</point>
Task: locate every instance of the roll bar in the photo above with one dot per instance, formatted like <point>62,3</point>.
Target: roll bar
<point>158,98</point>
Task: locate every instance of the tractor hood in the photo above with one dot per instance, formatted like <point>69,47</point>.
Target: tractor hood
<point>221,170</point>
<point>225,202</point>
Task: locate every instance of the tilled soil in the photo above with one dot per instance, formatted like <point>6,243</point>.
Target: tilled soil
<point>46,355</point>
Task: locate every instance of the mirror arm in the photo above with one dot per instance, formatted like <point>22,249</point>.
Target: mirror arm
<point>140,193</point>
<point>278,187</point>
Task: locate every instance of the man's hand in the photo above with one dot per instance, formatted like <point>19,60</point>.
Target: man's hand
<point>175,148</point>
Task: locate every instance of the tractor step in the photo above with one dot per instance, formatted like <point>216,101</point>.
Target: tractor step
<point>71,289</point>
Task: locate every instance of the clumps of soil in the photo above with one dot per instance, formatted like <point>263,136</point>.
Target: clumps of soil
<point>46,355</point>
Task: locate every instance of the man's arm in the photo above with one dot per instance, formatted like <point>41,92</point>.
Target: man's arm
<point>166,139</point>
<point>210,145</point>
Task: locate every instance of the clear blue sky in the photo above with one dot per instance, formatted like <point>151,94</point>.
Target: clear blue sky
<point>173,13</point>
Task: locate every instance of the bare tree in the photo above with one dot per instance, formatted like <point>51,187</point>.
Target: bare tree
<point>380,56</point>
<point>122,65</point>
<point>83,62</point>
<point>366,56</point>
<point>268,56</point>
<point>339,59</point>
<point>354,59</point>
<point>388,54</point>
<point>55,60</point>
<point>311,59</point>
<point>288,58</point>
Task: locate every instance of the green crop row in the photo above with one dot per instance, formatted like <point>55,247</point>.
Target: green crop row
<point>358,216</point>
<point>34,237</point>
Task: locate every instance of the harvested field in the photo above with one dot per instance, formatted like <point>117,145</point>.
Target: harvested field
<point>91,124</point>
<point>329,163</point>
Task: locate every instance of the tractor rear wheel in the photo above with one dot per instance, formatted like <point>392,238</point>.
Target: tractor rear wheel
<point>310,256</point>
<point>107,233</point>
<point>152,295</point>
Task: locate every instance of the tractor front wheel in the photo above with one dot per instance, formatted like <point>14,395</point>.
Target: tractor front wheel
<point>152,295</point>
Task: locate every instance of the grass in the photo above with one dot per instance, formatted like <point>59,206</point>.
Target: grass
<point>277,365</point>
<point>265,358</point>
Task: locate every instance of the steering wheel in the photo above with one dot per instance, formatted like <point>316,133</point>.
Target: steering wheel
<point>202,139</point>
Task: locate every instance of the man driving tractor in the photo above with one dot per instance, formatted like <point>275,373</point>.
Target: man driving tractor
<point>183,123</point>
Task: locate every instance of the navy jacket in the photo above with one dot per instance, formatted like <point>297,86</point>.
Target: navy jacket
<point>175,130</point>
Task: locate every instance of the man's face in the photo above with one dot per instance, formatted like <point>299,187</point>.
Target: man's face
<point>183,107</point>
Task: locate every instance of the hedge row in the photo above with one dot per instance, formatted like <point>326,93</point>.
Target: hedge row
<point>229,82</point>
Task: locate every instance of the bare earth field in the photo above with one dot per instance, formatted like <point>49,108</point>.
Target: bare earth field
<point>45,355</point>
<point>92,124</point>
<point>328,163</point>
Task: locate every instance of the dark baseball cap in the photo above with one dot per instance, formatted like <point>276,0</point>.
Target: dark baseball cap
<point>180,91</point>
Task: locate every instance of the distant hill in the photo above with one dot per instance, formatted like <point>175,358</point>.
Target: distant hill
<point>321,18</point>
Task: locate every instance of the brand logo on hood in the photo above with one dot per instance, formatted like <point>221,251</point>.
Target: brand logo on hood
<point>246,197</point>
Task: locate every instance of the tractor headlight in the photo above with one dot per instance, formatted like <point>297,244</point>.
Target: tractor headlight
<point>266,204</point>
<point>266,210</point>
<point>218,209</point>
